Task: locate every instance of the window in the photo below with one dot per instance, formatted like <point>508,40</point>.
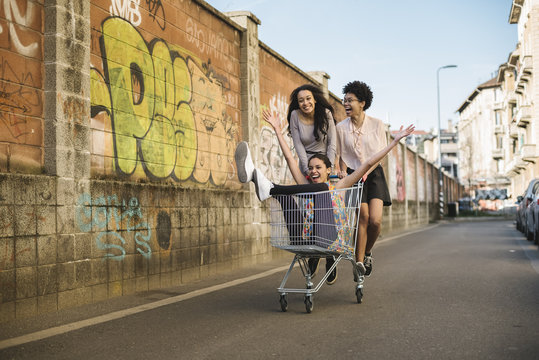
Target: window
<point>498,118</point>
<point>499,142</point>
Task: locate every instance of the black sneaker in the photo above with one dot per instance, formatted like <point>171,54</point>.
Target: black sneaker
<point>313,266</point>
<point>367,261</point>
<point>332,275</point>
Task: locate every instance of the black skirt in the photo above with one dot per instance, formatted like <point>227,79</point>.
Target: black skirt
<point>375,187</point>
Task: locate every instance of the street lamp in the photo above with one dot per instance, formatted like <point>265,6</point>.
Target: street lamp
<point>440,178</point>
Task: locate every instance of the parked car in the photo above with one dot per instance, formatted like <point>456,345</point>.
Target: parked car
<point>523,203</point>
<point>532,218</point>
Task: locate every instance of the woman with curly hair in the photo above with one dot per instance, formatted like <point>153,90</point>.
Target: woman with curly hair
<point>360,136</point>
<point>311,124</point>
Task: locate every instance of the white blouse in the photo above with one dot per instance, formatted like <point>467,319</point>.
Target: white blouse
<point>355,145</point>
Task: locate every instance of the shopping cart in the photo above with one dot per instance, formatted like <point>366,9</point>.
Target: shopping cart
<point>315,225</point>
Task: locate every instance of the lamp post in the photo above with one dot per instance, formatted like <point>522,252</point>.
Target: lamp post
<point>440,178</point>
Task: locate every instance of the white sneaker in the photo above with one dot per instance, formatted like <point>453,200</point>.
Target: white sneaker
<point>262,185</point>
<point>359,270</point>
<point>244,163</point>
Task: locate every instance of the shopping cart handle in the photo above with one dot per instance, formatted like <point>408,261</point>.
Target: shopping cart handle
<point>331,177</point>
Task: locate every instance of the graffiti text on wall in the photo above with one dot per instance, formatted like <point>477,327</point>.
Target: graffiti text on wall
<point>15,16</point>
<point>167,111</point>
<point>105,216</point>
<point>272,161</point>
<point>127,9</point>
<point>17,95</point>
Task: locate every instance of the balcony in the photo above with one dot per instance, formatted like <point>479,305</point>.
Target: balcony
<point>498,129</point>
<point>497,154</point>
<point>513,130</point>
<point>523,116</point>
<point>498,105</point>
<point>528,152</point>
<point>515,165</point>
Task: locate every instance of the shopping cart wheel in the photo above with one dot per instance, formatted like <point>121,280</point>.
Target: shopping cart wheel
<point>284,302</point>
<point>308,303</point>
<point>359,295</point>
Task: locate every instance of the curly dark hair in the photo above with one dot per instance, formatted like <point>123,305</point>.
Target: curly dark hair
<point>320,118</point>
<point>361,90</point>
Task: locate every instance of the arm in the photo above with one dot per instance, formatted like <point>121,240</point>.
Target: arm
<point>290,160</point>
<point>340,166</point>
<point>298,145</point>
<point>373,160</point>
<point>331,149</point>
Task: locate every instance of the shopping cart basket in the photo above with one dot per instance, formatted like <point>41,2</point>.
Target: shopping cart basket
<point>315,225</point>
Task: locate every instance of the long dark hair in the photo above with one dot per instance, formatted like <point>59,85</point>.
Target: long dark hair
<point>320,118</point>
<point>322,157</point>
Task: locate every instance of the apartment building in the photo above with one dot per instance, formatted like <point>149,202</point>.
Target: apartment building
<point>480,140</point>
<point>498,127</point>
<point>521,97</point>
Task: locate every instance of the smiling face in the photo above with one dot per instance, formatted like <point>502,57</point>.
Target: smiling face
<point>352,106</point>
<point>318,171</point>
<point>306,102</point>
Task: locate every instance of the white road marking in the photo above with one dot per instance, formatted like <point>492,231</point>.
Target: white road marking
<point>62,329</point>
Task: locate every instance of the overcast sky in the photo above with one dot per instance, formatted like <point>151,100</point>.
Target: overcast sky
<point>395,46</point>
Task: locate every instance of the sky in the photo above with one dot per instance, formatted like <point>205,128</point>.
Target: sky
<point>395,46</point>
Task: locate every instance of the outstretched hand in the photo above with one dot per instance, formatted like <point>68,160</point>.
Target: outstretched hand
<point>272,120</point>
<point>404,133</point>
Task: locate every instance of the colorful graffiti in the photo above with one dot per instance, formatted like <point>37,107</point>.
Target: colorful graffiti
<point>167,110</point>
<point>105,215</point>
<point>271,160</point>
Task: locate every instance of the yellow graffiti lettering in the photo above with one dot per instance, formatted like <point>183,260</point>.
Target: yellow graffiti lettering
<point>130,74</point>
<point>167,109</point>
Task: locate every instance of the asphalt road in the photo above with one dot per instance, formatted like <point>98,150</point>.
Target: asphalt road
<point>466,290</point>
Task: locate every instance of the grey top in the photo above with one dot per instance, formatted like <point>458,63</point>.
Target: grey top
<point>305,143</point>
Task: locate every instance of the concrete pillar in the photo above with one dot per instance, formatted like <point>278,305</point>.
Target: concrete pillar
<point>67,103</point>
<point>322,77</point>
<point>418,204</point>
<point>405,180</point>
<point>427,195</point>
<point>250,78</point>
<point>67,88</point>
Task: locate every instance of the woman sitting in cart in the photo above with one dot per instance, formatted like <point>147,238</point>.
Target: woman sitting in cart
<point>317,181</point>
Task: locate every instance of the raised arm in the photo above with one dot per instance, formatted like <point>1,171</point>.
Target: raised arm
<point>290,160</point>
<point>353,178</point>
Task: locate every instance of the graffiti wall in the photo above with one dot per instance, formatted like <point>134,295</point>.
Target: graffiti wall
<point>164,93</point>
<point>21,86</point>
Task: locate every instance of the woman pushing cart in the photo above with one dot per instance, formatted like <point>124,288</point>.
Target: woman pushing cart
<point>315,217</point>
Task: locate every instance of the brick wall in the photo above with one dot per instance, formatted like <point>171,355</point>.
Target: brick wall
<point>21,86</point>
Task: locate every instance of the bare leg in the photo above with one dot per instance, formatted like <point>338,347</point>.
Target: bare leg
<point>376,208</point>
<point>361,240</point>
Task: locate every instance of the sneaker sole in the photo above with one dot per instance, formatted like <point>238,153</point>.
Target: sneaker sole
<point>333,281</point>
<point>241,154</point>
<point>255,180</point>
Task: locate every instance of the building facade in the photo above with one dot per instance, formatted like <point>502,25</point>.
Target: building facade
<point>498,126</point>
<point>521,97</point>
